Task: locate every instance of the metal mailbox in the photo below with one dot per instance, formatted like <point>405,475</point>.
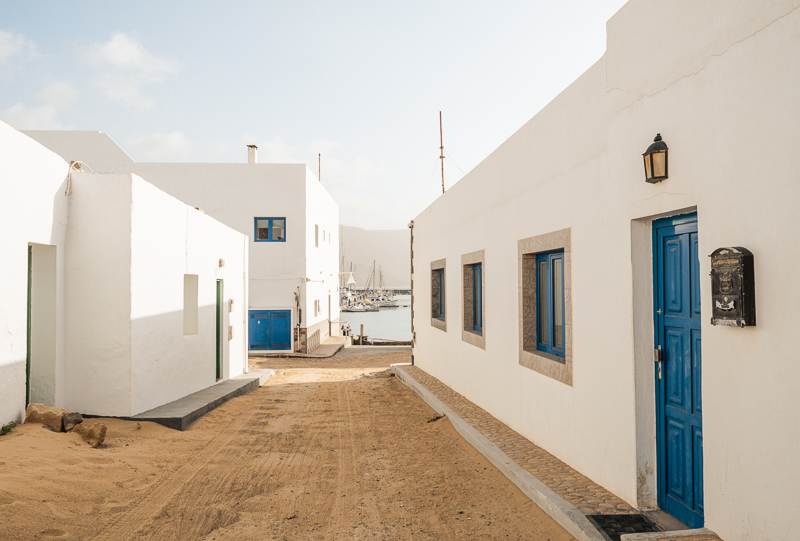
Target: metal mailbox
<point>733,288</point>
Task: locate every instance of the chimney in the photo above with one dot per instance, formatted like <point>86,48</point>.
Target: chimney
<point>252,154</point>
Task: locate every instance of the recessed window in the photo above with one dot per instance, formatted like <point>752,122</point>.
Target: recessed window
<point>545,304</point>
<point>437,294</point>
<point>316,236</point>
<point>473,272</point>
<point>477,297</point>
<point>190,306</point>
<point>550,303</point>
<point>270,229</point>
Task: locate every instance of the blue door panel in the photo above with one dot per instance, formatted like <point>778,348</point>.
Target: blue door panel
<point>679,390</point>
<point>697,387</point>
<point>694,276</point>
<point>674,377</point>
<point>673,285</point>
<point>280,329</point>
<point>676,468</point>
<point>697,451</point>
<point>258,331</point>
<point>270,330</point>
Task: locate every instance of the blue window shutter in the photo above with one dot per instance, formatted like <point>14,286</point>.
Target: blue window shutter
<point>549,293</point>
<point>477,297</point>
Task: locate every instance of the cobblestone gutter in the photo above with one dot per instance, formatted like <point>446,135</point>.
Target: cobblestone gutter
<point>559,490</point>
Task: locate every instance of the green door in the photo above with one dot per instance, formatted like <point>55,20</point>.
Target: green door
<point>219,329</point>
<point>28,356</point>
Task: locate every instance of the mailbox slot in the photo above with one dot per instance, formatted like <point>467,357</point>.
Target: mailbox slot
<point>733,290</point>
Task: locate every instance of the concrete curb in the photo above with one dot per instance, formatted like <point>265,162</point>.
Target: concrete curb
<point>257,355</point>
<point>665,536</point>
<point>563,512</point>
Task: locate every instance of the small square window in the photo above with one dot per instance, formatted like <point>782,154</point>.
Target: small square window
<point>270,230</point>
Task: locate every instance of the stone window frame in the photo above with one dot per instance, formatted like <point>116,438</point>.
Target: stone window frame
<point>439,323</point>
<point>468,334</point>
<point>558,368</point>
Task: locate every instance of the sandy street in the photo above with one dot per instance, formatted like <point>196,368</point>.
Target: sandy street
<point>327,449</point>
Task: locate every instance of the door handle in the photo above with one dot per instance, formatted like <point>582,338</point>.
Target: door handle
<point>658,356</point>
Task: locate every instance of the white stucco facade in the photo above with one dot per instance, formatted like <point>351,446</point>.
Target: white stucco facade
<point>719,82</point>
<point>109,253</point>
<point>237,194</point>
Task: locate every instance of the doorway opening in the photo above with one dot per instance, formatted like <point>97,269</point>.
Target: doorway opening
<point>678,389</point>
<point>40,365</point>
<point>220,326</point>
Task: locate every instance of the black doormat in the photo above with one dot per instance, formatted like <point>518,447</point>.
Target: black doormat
<point>613,526</point>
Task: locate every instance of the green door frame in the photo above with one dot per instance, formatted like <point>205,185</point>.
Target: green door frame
<point>28,354</point>
<point>219,329</point>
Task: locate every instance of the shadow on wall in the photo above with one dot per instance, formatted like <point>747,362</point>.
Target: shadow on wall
<point>170,361</point>
<point>12,392</point>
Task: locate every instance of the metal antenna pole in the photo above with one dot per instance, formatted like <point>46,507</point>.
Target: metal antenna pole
<point>441,148</point>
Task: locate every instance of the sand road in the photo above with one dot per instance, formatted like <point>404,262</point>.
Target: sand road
<point>327,449</point>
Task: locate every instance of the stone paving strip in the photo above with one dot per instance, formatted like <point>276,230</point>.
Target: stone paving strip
<point>577,489</point>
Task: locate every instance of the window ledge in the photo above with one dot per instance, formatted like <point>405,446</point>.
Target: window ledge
<point>552,366</point>
<point>473,338</point>
<point>438,323</point>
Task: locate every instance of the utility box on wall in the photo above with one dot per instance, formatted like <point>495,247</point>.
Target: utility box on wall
<point>733,288</point>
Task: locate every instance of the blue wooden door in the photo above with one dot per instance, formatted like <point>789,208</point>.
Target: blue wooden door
<point>270,330</point>
<point>678,386</point>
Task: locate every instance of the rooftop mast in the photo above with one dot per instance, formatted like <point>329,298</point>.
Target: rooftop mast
<point>441,148</point>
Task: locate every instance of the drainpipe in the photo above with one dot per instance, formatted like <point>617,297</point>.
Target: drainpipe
<point>413,334</point>
<point>299,317</point>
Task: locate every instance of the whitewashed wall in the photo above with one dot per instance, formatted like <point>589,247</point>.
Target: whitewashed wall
<point>235,194</point>
<point>130,246</point>
<point>170,239</point>
<point>98,295</point>
<point>717,80</point>
<point>322,261</point>
<point>33,209</point>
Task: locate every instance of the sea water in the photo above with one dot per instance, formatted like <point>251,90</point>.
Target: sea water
<point>387,323</point>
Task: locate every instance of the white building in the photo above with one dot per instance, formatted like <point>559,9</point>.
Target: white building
<point>290,218</point>
<point>584,268</point>
<point>112,289</point>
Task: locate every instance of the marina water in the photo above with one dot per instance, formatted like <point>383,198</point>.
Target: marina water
<point>387,323</point>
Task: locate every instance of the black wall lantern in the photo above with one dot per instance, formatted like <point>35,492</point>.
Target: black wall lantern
<point>655,161</point>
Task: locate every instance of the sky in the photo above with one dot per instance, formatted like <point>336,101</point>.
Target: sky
<point>360,83</point>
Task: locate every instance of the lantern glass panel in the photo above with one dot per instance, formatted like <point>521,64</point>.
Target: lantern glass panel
<point>648,172</point>
<point>659,163</point>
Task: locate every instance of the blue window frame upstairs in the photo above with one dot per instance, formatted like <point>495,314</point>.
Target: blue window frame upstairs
<point>477,297</point>
<point>550,303</point>
<point>270,230</point>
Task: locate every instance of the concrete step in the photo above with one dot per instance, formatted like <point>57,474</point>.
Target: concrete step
<point>181,413</point>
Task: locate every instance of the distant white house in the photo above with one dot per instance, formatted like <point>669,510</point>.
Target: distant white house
<point>290,218</point>
<point>116,298</point>
<point>558,290</point>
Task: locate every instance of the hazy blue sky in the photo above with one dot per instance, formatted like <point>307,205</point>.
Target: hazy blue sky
<point>360,82</point>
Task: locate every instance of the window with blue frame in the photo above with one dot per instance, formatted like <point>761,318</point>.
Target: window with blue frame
<point>477,297</point>
<point>437,294</point>
<point>550,302</point>
<point>270,230</point>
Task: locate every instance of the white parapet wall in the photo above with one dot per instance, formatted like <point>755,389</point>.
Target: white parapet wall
<point>306,262</point>
<point>33,213</point>
<point>132,247</point>
<point>721,92</point>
